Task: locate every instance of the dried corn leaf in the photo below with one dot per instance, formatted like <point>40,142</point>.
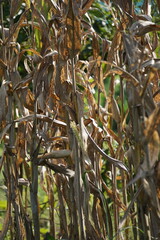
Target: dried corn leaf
<point>115,110</point>
<point>20,144</point>
<point>55,154</point>
<point>86,5</point>
<point>59,169</point>
<point>3,96</point>
<point>152,63</point>
<point>73,39</point>
<point>15,78</point>
<point>154,148</point>
<point>152,123</point>
<point>27,98</point>
<point>126,5</point>
<point>114,161</point>
<point>142,27</point>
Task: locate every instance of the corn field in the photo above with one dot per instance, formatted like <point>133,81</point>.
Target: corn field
<point>79,120</point>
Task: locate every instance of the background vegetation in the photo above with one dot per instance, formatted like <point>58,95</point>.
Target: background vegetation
<point>79,119</point>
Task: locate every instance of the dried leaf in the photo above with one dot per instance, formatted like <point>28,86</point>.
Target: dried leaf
<point>22,181</point>
<point>77,6</point>
<point>20,144</point>
<point>55,154</point>
<point>60,169</point>
<point>153,63</point>
<point>154,148</point>
<point>152,123</point>
<point>15,78</point>
<point>3,96</point>
<point>86,5</point>
<point>142,27</point>
<point>27,98</point>
<point>115,111</point>
<point>43,118</point>
<point>131,49</point>
<point>73,39</point>
<point>114,161</point>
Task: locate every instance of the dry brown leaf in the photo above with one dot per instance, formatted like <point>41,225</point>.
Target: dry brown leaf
<point>54,154</point>
<point>86,5</point>
<point>73,39</point>
<point>142,27</point>
<point>114,161</point>
<point>20,144</point>
<point>115,110</point>
<point>154,147</point>
<point>15,78</point>
<point>27,98</point>
<point>95,46</point>
<point>152,123</point>
<point>77,6</point>
<point>3,96</point>
<point>152,63</point>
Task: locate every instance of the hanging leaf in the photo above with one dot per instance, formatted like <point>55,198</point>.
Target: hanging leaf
<point>142,27</point>
<point>115,110</point>
<point>86,5</point>
<point>153,63</point>
<point>20,144</point>
<point>3,95</point>
<point>73,39</point>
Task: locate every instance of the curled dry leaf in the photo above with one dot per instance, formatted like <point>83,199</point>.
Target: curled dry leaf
<point>115,110</point>
<point>152,63</point>
<point>142,27</point>
<point>60,169</point>
<point>114,161</point>
<point>22,181</point>
<point>144,17</point>
<point>55,154</point>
